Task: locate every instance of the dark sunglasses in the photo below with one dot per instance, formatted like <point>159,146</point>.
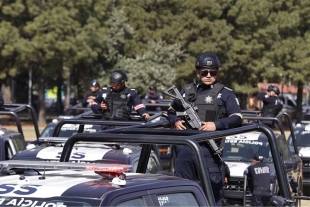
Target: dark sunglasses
<point>205,73</point>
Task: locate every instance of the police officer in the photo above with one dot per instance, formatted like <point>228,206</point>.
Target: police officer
<point>259,175</point>
<point>218,109</point>
<point>92,94</point>
<point>272,104</point>
<point>1,99</point>
<point>117,101</point>
<point>153,96</point>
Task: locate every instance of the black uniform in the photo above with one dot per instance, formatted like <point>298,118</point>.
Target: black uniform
<point>1,99</point>
<point>84,102</point>
<point>272,107</point>
<point>119,103</point>
<point>215,103</point>
<point>158,97</point>
<point>259,175</point>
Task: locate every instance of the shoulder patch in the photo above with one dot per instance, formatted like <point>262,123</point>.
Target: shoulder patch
<point>228,88</point>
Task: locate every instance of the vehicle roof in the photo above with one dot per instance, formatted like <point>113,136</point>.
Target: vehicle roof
<point>83,152</point>
<point>254,136</point>
<point>4,131</point>
<point>85,184</point>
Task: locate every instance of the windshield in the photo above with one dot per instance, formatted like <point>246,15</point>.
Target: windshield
<point>68,130</point>
<point>244,150</point>
<point>302,137</point>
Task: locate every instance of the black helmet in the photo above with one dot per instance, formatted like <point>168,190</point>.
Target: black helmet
<point>118,76</point>
<point>153,88</point>
<point>207,60</point>
<point>94,83</point>
<point>274,88</point>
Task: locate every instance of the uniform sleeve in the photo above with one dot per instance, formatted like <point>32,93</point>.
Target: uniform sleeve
<point>137,103</point>
<point>233,110</point>
<point>160,97</point>
<point>1,99</point>
<point>84,102</point>
<point>95,107</point>
<point>146,98</point>
<point>175,106</point>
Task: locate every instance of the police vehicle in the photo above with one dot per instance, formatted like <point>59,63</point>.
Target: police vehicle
<point>50,148</point>
<point>11,142</point>
<point>302,134</point>
<point>67,130</point>
<point>238,154</point>
<point>50,184</point>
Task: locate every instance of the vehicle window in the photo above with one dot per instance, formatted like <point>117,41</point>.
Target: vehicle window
<point>152,166</point>
<point>8,151</point>
<point>291,103</point>
<point>134,202</point>
<point>48,132</point>
<point>18,142</point>
<point>284,149</point>
<point>244,150</point>
<point>302,137</point>
<point>177,199</point>
<point>306,117</point>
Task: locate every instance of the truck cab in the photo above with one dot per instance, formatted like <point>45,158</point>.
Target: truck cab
<point>10,143</point>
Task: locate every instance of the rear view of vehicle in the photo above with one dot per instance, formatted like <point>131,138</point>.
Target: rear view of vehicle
<point>302,134</point>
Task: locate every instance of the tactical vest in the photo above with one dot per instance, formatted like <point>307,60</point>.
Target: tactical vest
<point>272,110</point>
<point>206,102</point>
<point>117,104</point>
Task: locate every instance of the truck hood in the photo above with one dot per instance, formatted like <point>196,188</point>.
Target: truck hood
<point>237,168</point>
<point>304,151</point>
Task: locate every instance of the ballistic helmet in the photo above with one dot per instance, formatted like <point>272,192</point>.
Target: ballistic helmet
<point>153,88</point>
<point>94,83</point>
<point>274,88</point>
<point>118,76</point>
<point>207,60</point>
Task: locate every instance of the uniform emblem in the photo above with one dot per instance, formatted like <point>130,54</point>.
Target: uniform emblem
<point>208,62</point>
<point>219,96</point>
<point>123,96</point>
<point>208,99</point>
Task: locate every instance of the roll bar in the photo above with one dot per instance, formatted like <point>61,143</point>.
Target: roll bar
<point>193,142</point>
<point>13,109</point>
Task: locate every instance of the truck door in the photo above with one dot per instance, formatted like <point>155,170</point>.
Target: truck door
<point>9,150</point>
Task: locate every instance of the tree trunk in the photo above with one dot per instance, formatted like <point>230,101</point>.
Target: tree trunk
<point>68,93</point>
<point>41,94</point>
<point>6,91</point>
<point>59,107</point>
<point>300,87</point>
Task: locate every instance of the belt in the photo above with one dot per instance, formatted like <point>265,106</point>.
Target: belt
<point>262,189</point>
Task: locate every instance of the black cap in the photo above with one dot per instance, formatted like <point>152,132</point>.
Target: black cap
<point>258,157</point>
<point>153,88</point>
<point>94,83</point>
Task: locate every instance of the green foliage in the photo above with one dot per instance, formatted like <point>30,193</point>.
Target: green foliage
<point>154,67</point>
<point>156,41</point>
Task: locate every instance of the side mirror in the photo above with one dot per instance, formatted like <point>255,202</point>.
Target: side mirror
<point>280,201</point>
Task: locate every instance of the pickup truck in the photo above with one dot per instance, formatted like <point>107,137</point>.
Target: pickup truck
<point>27,182</point>
<point>12,142</point>
<point>84,184</point>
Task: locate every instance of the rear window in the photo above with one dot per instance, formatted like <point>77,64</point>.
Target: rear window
<point>302,137</point>
<point>244,150</point>
<point>177,199</point>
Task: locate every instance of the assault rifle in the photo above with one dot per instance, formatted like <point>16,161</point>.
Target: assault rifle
<point>191,117</point>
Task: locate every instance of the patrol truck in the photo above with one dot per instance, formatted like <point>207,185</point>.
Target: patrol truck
<point>238,154</point>
<point>37,183</point>
<point>50,148</point>
<point>51,184</point>
<point>302,134</point>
